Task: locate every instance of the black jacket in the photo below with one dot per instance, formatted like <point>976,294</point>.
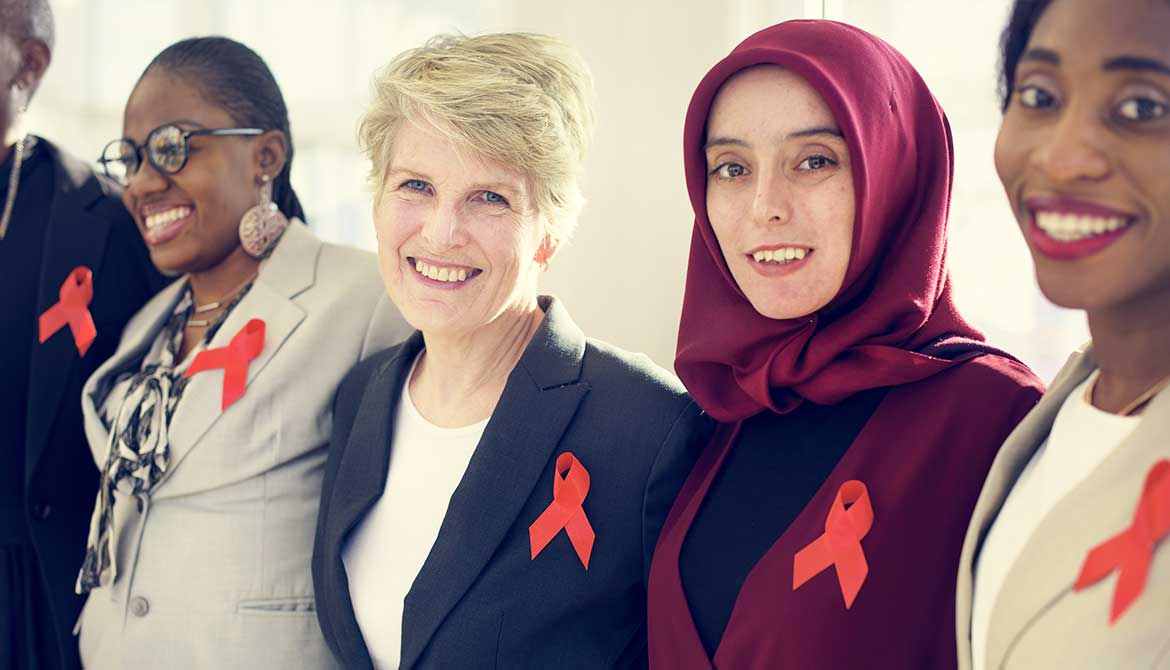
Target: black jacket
<point>87,226</point>
<point>480,600</point>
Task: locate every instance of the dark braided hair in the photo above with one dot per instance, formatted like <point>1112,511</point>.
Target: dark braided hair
<point>1025,14</point>
<point>234,77</point>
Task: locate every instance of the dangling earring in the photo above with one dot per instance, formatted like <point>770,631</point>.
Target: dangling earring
<point>262,225</point>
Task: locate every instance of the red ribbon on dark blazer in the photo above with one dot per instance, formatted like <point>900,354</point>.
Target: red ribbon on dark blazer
<point>73,310</point>
<point>840,545</point>
<point>245,346</point>
<point>1131,551</point>
<point>570,486</point>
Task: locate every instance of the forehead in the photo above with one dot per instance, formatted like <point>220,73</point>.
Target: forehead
<point>1100,29</point>
<point>163,97</point>
<point>421,147</point>
<point>767,99</point>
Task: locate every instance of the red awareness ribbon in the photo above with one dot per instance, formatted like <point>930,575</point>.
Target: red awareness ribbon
<point>234,358</point>
<point>1131,551</point>
<point>73,310</point>
<point>841,543</point>
<point>570,486</point>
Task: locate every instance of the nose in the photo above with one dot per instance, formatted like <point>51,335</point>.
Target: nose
<point>772,202</point>
<point>1074,149</point>
<point>444,228</point>
<point>147,179</point>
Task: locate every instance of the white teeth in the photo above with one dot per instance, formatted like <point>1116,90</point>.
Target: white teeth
<point>783,255</point>
<point>440,274</point>
<point>169,216</point>
<point>1070,227</point>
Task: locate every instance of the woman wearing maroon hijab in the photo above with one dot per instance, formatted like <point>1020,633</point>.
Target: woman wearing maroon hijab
<point>818,328</point>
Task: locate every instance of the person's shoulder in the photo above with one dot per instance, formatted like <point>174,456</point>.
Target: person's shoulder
<point>1002,374</point>
<point>349,270</point>
<point>106,202</point>
<point>630,376</point>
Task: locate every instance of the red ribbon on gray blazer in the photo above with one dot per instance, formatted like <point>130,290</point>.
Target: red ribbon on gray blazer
<point>1131,551</point>
<point>245,346</point>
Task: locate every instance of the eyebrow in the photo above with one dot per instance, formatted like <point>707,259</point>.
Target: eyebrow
<point>1042,55</point>
<point>796,134</point>
<point>1115,64</point>
<point>1137,63</point>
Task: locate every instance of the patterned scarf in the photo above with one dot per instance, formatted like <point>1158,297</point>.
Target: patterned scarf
<point>138,450</point>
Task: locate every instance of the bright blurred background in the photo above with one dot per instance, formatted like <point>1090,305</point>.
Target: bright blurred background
<point>622,274</point>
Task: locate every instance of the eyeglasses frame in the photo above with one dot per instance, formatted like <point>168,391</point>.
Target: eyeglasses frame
<point>139,149</point>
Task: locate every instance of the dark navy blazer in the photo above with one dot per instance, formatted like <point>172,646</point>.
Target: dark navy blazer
<point>480,600</point>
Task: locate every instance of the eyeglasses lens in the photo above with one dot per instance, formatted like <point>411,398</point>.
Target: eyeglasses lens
<point>167,148</point>
<point>120,160</point>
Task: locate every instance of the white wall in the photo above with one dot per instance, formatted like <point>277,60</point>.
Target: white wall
<point>622,275</point>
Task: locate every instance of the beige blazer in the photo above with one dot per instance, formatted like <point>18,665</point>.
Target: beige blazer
<point>1038,621</point>
<point>213,572</point>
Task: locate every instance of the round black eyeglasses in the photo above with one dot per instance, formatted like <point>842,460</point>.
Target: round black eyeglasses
<point>167,148</point>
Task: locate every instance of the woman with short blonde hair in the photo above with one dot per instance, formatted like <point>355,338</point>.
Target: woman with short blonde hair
<point>496,484</point>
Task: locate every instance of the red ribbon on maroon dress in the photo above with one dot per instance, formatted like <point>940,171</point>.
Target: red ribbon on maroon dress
<point>234,358</point>
<point>570,486</point>
<point>1131,551</point>
<point>840,545</point>
<point>73,310</point>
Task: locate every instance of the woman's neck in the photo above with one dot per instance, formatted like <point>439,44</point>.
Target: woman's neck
<point>1131,344</point>
<point>221,282</point>
<point>460,378</point>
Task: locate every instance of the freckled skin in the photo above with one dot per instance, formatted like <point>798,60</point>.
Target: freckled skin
<point>769,188</point>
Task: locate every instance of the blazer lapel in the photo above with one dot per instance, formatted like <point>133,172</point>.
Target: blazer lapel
<point>363,466</point>
<point>137,339</point>
<point>515,452</point>
<point>74,237</point>
<point>1095,510</point>
<point>289,271</point>
<point>1013,457</point>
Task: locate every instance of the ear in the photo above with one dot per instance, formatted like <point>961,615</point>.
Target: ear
<point>35,58</point>
<point>271,153</point>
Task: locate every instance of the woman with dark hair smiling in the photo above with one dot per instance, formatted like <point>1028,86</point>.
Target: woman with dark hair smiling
<point>210,421</point>
<point>858,411</point>
<point>1066,562</point>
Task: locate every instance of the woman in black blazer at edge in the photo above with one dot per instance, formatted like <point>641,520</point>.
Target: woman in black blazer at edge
<point>496,484</point>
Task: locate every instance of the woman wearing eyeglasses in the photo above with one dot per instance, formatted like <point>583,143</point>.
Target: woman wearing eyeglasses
<point>209,423</point>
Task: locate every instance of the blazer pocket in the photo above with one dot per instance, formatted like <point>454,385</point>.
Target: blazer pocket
<point>278,607</point>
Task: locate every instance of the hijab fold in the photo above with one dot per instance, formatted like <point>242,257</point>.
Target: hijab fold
<point>893,321</point>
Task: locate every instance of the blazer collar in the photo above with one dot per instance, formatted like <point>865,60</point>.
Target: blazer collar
<point>290,270</point>
<point>75,236</point>
<point>1013,457</point>
<point>515,452</point>
<point>1096,509</point>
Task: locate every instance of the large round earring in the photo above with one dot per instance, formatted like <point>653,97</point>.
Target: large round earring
<point>262,225</point>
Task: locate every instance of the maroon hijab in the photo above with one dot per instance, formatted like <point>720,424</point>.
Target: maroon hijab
<point>893,321</point>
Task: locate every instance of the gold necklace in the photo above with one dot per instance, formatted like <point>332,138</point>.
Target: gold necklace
<point>13,185</point>
<point>207,307</point>
<point>1138,402</point>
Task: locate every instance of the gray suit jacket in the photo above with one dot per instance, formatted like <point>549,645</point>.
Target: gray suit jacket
<point>213,572</point>
<point>1038,621</point>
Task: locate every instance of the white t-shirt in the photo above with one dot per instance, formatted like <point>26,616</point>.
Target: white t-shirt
<point>1080,439</point>
<point>388,548</point>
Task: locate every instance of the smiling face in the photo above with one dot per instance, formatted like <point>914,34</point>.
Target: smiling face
<point>189,220</point>
<point>1084,152</point>
<point>459,239</point>
<point>779,191</point>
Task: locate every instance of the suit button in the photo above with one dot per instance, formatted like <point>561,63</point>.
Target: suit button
<point>42,511</point>
<point>139,606</point>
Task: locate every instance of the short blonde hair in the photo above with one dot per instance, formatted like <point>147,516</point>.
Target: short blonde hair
<point>520,98</point>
